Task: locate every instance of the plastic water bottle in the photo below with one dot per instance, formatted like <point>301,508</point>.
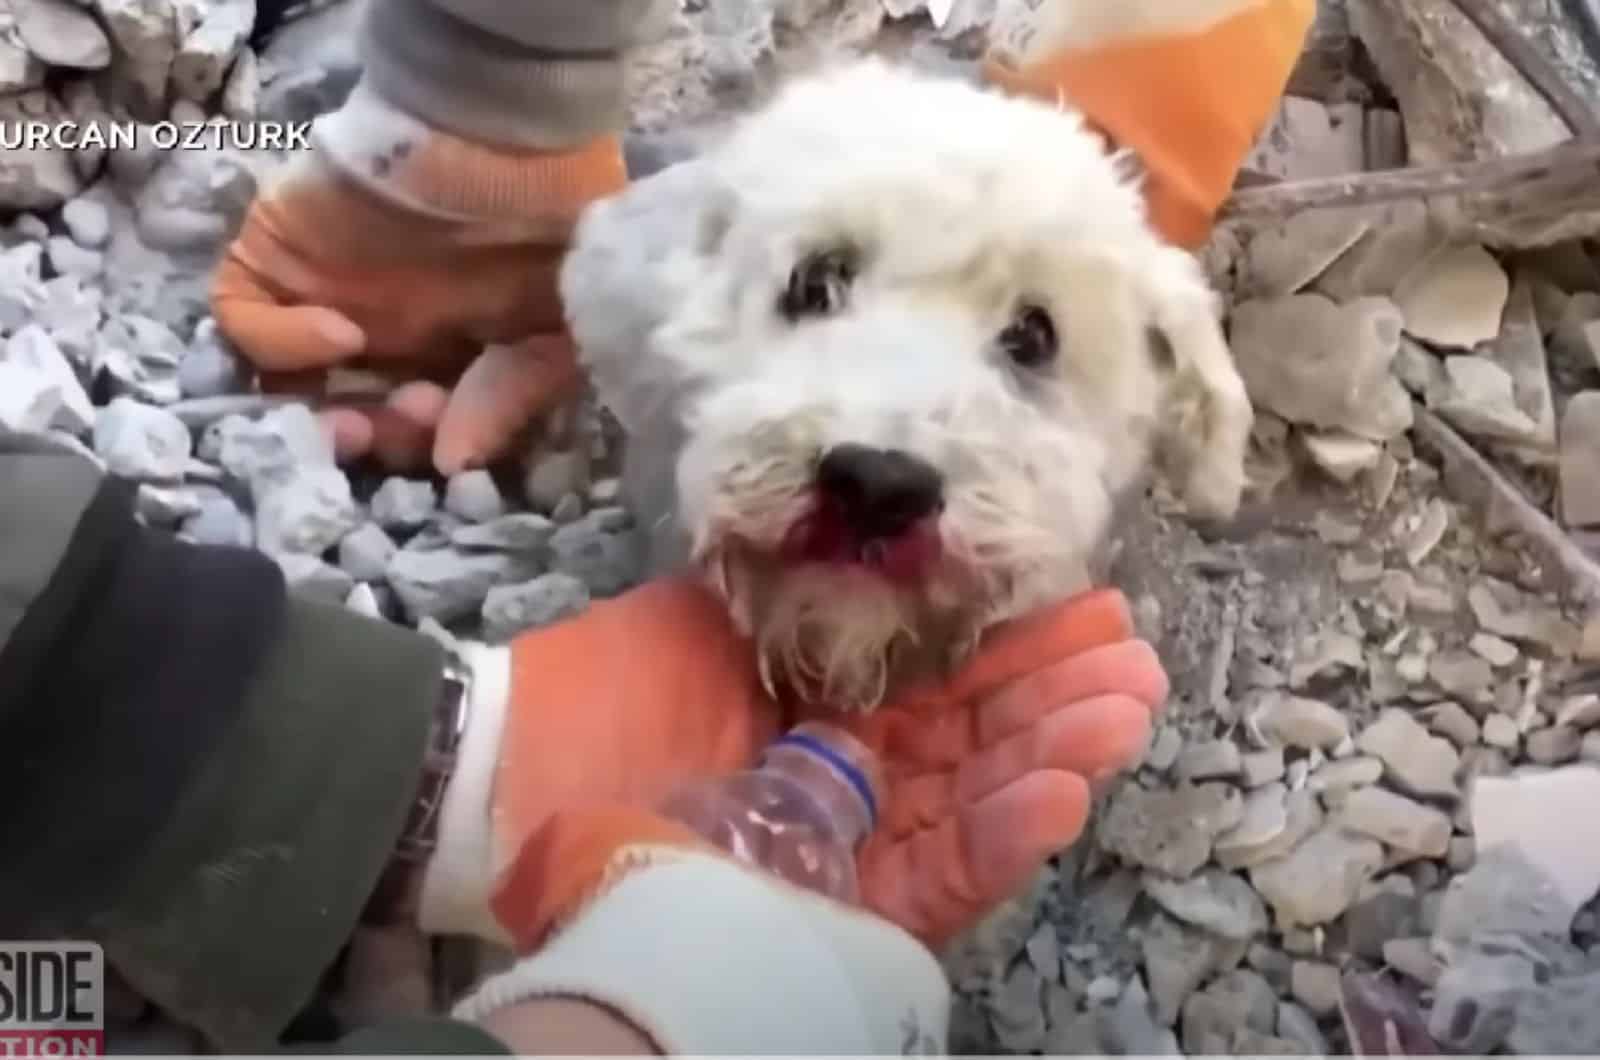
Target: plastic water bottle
<point>801,813</point>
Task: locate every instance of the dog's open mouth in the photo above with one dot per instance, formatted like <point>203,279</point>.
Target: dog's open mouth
<point>825,535</point>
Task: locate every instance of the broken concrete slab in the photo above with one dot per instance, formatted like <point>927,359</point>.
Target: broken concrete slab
<point>1283,259</point>
<point>1460,98</point>
<point>1455,297</point>
<point>1478,398</point>
<point>1549,819</point>
<point>1579,466</point>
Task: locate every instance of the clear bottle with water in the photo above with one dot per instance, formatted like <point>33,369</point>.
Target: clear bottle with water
<point>801,813</point>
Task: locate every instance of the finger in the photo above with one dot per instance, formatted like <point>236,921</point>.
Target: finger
<point>499,393</point>
<point>1128,667</point>
<point>404,425</point>
<point>1088,620</point>
<point>938,881</point>
<point>1093,737</point>
<point>276,337</point>
<point>351,430</point>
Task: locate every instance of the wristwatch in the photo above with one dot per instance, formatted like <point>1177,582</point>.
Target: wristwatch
<point>445,733</point>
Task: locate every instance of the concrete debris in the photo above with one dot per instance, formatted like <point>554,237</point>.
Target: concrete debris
<point>1363,669</point>
<point>1459,97</point>
<point>1413,759</point>
<point>1219,902</point>
<point>1321,364</point>
<point>1170,831</point>
<point>1319,878</point>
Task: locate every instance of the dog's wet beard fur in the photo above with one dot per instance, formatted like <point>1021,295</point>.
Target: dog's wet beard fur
<point>884,260</point>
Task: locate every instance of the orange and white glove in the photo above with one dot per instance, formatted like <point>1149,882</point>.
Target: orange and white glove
<point>393,249</point>
<point>986,776</point>
<point>706,956</point>
<point>1186,86</point>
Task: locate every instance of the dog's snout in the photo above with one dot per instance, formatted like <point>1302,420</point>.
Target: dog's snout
<point>879,492</point>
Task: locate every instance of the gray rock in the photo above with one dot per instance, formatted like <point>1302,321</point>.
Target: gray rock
<point>1283,259</point>
<point>1396,820</point>
<point>447,584</point>
<point>241,92</point>
<point>208,50</point>
<point>1554,745</point>
<point>1460,98</point>
<point>365,552</point>
<point>554,475</point>
<point>1320,878</point>
<point>313,578</point>
<point>145,35</point>
<point>33,364</point>
<point>1236,1001</point>
<point>273,449</point>
<point>1016,1010</point>
<point>20,69</point>
<point>1461,675</point>
<point>1412,957</point>
<point>1504,893</point>
<point>1169,831</point>
<point>1580,460</point>
<point>88,222</point>
<point>1413,759</point>
<point>1558,1018</point>
<point>1334,780</point>
<point>1177,959</point>
<point>1258,769</point>
<point>1323,365</point>
<point>210,367</point>
<point>1373,921</point>
<point>1212,760</point>
<point>517,532</point>
<point>568,510</point>
<point>1455,297</point>
<point>1260,833</point>
<point>308,512</point>
<point>547,599</point>
<point>1129,1028</point>
<point>163,507</point>
<point>605,561</point>
<point>1316,986</point>
<point>1164,749</point>
<point>61,34</point>
<point>142,356</point>
<point>219,522</point>
<point>404,504</point>
<point>68,258</point>
<point>1217,901</point>
<point>1299,1027</point>
<point>1478,397</point>
<point>141,442</point>
<point>473,496</point>
<point>36,178</point>
<point>1452,721</point>
<point>1295,721</point>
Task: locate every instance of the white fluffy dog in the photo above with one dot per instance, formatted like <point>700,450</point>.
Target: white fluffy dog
<point>887,357</point>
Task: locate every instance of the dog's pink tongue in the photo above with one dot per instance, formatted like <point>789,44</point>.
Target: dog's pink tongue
<point>823,537</point>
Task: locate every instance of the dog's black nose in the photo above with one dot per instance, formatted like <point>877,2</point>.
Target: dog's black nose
<point>880,492</point>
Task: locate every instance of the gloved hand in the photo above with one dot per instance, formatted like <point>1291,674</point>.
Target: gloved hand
<point>986,776</point>
<point>705,956</point>
<point>395,249</point>
<point>1187,87</point>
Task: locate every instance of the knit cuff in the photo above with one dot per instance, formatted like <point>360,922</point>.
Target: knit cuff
<point>474,76</point>
<point>409,163</point>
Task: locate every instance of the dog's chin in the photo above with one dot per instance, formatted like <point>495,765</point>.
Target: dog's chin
<point>841,625</point>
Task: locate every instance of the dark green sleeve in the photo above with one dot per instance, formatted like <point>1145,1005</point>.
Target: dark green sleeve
<point>198,770</point>
<point>419,1037</point>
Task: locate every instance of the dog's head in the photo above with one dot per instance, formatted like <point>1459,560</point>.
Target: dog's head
<point>918,337</point>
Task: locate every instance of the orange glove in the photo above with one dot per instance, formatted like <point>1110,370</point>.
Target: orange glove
<point>398,250</point>
<point>985,777</point>
<point>1186,86</point>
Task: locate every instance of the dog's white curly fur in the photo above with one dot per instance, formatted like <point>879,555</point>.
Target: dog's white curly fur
<point>960,205</point>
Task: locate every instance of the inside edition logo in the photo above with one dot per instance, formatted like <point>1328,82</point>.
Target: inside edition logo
<point>52,999</point>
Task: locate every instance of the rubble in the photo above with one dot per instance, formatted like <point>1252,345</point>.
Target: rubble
<point>1362,673</point>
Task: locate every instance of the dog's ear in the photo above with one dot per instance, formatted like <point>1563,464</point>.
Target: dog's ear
<point>1205,428</point>
<point>634,259</point>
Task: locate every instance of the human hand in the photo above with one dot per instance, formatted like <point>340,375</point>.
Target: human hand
<point>986,775</point>
<point>1188,88</point>
<point>990,774</point>
<point>433,267</point>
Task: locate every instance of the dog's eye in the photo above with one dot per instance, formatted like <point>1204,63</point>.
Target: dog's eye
<point>818,284</point>
<point>1030,338</point>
